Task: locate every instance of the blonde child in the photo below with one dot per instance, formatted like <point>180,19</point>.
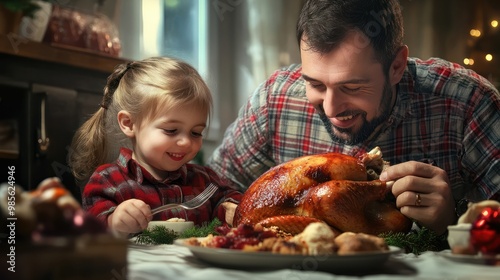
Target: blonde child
<point>154,112</point>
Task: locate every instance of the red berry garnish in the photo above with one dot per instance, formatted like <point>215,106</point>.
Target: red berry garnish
<point>222,230</point>
<point>221,242</point>
<point>245,230</point>
<point>241,242</point>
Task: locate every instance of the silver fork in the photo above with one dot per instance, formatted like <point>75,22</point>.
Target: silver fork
<point>191,204</point>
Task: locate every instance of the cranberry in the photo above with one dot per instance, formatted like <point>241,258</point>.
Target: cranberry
<point>245,230</point>
<point>267,234</point>
<point>485,232</point>
<point>223,230</point>
<point>241,242</point>
<point>221,242</point>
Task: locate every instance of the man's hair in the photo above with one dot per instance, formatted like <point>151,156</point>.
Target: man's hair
<point>324,24</point>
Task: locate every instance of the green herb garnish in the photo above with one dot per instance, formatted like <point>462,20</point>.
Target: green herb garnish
<point>201,231</point>
<point>162,235</point>
<point>156,235</point>
<point>416,241</point>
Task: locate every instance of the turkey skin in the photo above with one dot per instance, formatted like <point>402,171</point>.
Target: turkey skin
<point>340,190</point>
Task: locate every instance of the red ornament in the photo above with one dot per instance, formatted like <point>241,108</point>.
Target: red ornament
<point>485,232</point>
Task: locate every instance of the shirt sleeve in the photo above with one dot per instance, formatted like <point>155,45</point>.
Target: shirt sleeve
<point>99,197</point>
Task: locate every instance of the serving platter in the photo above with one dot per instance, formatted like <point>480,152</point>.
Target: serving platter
<point>237,259</point>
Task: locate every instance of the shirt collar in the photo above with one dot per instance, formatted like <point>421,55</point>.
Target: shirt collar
<point>140,174</point>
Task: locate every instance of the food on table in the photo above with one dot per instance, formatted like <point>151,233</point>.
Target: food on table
<point>338,189</point>
<point>459,239</point>
<point>477,230</point>
<point>179,220</point>
<point>235,238</point>
<point>55,236</point>
<point>349,242</point>
<point>316,239</point>
<point>48,210</point>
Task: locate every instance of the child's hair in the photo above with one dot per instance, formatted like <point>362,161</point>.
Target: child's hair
<point>142,88</point>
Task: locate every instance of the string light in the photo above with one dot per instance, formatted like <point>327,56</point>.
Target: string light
<point>494,23</point>
<point>468,61</point>
<point>475,33</point>
<point>489,57</point>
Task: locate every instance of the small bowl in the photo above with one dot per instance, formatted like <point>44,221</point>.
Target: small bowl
<point>178,227</point>
<point>459,239</point>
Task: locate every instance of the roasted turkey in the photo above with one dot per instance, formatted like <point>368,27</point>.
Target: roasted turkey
<point>340,190</point>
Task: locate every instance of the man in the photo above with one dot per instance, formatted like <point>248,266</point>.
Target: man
<point>437,123</point>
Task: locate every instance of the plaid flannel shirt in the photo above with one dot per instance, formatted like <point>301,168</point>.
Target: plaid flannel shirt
<point>443,113</point>
<point>113,183</point>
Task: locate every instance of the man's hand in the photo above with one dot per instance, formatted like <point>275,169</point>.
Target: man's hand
<point>422,193</point>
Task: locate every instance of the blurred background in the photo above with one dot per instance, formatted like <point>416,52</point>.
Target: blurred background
<point>56,57</point>
<point>237,44</point>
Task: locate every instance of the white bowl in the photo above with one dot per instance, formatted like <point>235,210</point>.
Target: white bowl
<point>178,227</point>
<point>459,239</point>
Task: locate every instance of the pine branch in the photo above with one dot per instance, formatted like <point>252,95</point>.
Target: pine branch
<point>162,235</point>
<point>416,241</point>
<point>156,235</point>
<point>202,231</point>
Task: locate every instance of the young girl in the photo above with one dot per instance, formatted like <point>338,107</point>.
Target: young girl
<point>158,108</point>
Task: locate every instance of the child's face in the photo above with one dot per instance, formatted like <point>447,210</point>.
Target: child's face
<point>169,140</point>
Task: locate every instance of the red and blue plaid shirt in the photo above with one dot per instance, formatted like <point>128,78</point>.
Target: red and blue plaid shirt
<point>443,113</point>
<point>113,183</point>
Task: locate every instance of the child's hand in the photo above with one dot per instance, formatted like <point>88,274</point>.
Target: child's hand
<point>130,216</point>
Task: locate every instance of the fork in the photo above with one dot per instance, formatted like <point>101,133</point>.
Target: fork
<point>191,204</point>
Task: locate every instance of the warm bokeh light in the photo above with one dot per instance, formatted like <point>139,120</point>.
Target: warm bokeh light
<point>475,33</point>
<point>494,23</point>
<point>468,61</point>
<point>489,57</point>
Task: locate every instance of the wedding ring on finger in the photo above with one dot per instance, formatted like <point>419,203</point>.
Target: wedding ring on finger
<point>418,200</point>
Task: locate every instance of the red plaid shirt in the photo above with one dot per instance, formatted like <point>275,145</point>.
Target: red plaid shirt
<point>113,183</point>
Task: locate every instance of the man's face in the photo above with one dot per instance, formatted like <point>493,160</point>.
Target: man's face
<point>349,86</point>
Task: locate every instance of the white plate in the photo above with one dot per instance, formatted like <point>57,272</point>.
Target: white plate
<point>230,258</point>
<point>473,259</point>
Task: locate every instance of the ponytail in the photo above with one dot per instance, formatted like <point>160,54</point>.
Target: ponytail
<point>89,148</point>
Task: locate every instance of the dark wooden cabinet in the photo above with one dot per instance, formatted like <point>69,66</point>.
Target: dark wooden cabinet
<point>45,92</point>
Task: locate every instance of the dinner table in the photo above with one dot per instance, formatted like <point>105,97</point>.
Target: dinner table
<point>174,261</point>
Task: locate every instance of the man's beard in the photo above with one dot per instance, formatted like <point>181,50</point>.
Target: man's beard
<point>368,127</point>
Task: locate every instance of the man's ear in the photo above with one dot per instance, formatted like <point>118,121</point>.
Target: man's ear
<point>398,65</point>
<point>126,123</point>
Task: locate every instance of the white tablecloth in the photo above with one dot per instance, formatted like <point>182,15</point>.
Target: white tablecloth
<point>176,262</point>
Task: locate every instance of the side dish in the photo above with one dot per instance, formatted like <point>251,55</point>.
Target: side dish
<point>316,239</point>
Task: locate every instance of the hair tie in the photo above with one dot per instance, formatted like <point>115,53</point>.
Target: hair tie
<point>104,106</point>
